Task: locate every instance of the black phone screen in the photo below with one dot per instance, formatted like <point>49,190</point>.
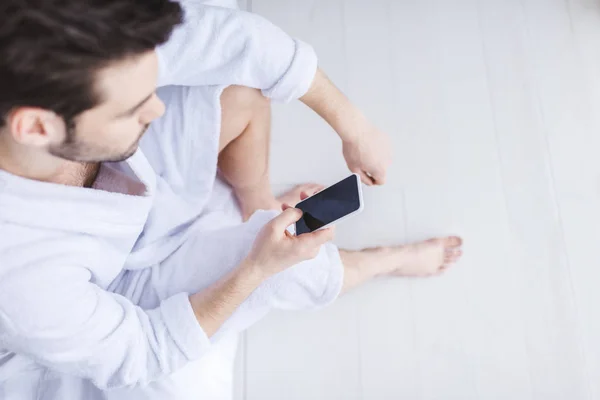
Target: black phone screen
<point>327,206</point>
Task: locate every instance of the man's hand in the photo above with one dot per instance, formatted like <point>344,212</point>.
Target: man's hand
<point>368,153</point>
<point>367,150</point>
<point>275,249</point>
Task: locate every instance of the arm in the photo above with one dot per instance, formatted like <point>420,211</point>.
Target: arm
<point>333,106</point>
<point>221,46</point>
<point>215,305</point>
<point>57,317</point>
<point>366,148</point>
<point>273,252</point>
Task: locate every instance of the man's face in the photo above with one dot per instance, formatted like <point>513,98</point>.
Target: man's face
<point>112,130</point>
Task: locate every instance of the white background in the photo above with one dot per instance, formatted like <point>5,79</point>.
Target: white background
<point>494,110</point>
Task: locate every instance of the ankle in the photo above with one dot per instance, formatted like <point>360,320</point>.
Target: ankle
<point>384,260</point>
<point>366,264</point>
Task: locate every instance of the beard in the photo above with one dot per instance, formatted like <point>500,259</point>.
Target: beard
<point>74,149</point>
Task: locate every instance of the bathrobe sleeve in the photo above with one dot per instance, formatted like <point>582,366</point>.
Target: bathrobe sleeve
<point>52,312</point>
<point>222,46</point>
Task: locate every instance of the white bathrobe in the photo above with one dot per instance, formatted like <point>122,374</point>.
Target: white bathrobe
<point>94,283</point>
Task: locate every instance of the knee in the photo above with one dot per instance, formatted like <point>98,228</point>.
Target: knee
<point>242,98</point>
<point>240,106</point>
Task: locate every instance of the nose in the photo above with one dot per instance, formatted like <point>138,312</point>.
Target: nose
<point>154,109</point>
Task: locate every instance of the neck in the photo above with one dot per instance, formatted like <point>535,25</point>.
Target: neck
<point>41,166</point>
<point>78,174</point>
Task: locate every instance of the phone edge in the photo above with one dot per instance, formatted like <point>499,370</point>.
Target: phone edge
<point>360,200</point>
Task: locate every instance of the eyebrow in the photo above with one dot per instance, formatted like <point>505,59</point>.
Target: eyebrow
<point>136,107</point>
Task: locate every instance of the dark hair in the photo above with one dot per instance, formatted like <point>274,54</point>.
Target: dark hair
<point>51,50</point>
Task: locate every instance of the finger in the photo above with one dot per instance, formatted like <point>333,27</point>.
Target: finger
<point>378,177</point>
<point>317,189</point>
<point>311,191</point>
<point>330,229</point>
<point>364,178</point>
<point>317,238</point>
<point>285,219</point>
<point>285,206</point>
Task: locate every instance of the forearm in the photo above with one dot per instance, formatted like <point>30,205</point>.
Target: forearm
<point>216,304</point>
<point>332,105</point>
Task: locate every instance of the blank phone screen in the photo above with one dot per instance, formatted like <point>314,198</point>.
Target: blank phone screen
<point>327,206</point>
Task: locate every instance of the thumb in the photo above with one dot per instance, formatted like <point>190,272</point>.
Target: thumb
<point>317,238</point>
<point>366,179</point>
<point>286,218</point>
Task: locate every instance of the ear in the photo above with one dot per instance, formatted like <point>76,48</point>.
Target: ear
<point>36,127</point>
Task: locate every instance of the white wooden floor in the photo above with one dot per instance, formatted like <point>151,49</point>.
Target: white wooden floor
<point>494,109</point>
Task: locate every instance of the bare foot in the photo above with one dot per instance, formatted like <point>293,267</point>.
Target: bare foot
<point>250,201</point>
<point>427,258</point>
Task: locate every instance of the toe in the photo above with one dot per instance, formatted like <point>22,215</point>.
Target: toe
<point>453,242</point>
<point>453,256</point>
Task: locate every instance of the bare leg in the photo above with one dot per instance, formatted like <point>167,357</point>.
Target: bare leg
<point>422,259</point>
<point>244,151</point>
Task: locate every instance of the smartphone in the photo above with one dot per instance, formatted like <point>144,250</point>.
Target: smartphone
<point>331,205</point>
